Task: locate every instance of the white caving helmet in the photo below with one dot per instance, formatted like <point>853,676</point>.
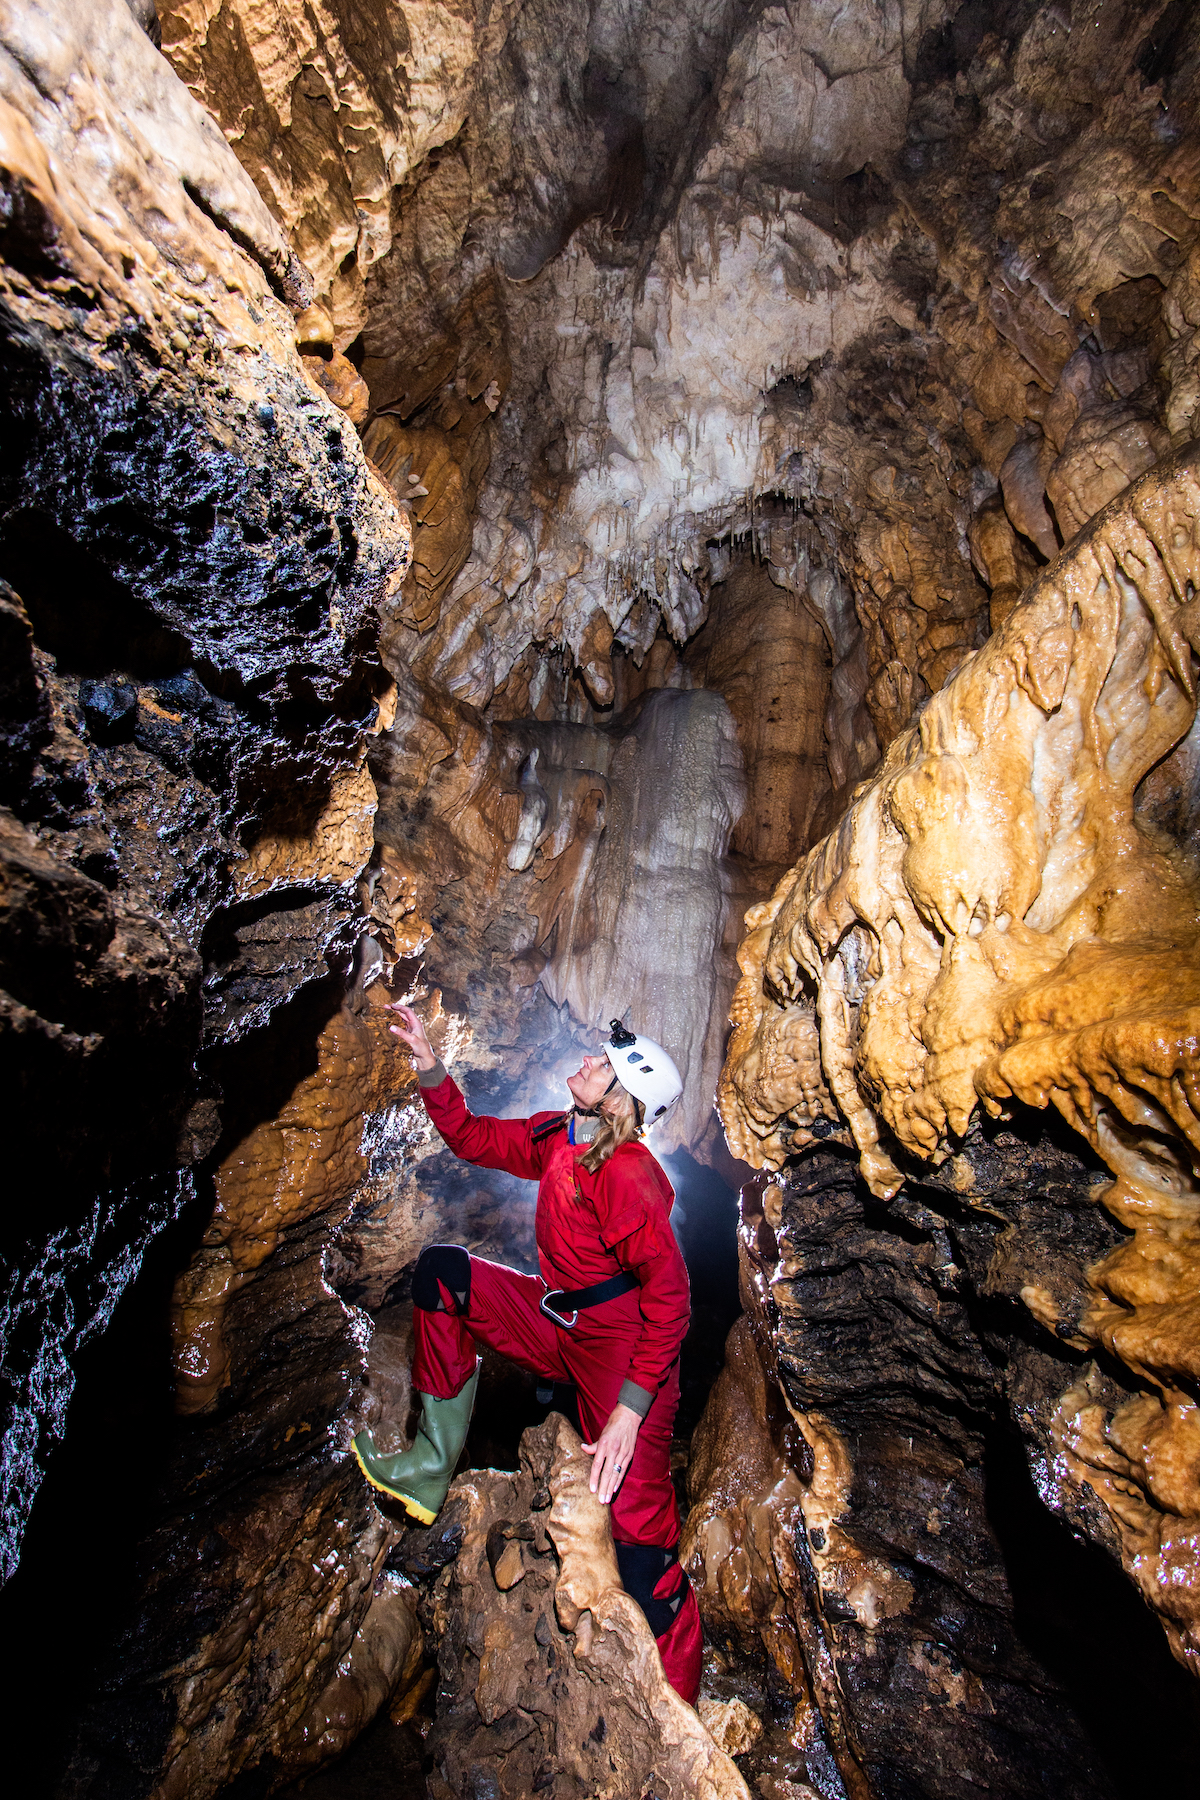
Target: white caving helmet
<point>644,1069</point>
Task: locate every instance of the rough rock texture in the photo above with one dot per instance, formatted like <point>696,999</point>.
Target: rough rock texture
<point>550,1680</point>
<point>891,301</point>
<point>196,551</point>
<point>863,1511</point>
<point>262,1591</point>
<point>732,370</point>
<point>871,242</point>
<point>330,110</point>
<point>993,921</point>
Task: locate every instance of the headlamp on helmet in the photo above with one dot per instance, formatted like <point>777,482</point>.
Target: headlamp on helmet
<point>644,1069</point>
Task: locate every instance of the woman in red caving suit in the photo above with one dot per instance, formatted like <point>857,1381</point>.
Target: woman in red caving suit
<point>609,1314</point>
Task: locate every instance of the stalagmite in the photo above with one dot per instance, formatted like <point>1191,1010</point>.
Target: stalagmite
<point>549,1667</point>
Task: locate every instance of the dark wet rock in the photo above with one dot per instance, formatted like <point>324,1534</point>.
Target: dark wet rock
<point>187,663</point>
<point>876,1524</point>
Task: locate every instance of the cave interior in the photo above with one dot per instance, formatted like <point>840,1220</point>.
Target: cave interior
<point>545,511</point>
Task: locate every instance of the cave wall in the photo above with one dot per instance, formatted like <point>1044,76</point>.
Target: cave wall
<point>949,350</point>
<point>1030,945</point>
<point>481,491</point>
<point>195,554</point>
<point>890,1560</point>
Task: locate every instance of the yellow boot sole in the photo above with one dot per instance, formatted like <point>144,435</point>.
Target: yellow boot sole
<point>412,1507</point>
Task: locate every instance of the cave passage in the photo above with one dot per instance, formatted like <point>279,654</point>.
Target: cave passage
<point>588,510</point>
<point>1142,1714</point>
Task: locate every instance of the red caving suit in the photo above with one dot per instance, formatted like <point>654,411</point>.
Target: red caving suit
<point>589,1227</point>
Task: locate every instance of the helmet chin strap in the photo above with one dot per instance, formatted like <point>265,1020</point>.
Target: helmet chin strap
<point>593,1112</point>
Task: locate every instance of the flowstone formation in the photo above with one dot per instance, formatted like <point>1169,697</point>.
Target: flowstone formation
<point>869,1532</point>
<point>482,490</point>
<point>832,259</point>
<point>886,304</point>
<point>551,1681</point>
<point>1008,914</point>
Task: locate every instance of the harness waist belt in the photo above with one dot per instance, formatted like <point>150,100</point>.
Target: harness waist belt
<point>558,1301</point>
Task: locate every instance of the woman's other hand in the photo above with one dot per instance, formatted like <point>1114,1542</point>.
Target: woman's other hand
<point>612,1452</point>
<point>412,1032</point>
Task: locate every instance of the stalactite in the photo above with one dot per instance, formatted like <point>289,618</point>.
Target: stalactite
<point>991,924</point>
<point>482,491</point>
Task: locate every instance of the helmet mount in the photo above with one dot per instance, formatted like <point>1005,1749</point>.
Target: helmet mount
<point>644,1070</point>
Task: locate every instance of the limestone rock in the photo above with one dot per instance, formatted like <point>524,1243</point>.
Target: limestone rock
<point>552,1683</point>
<point>730,1724</point>
<point>777,351</point>
<point>989,955</point>
<point>168,485</point>
<point>328,120</point>
<point>615,839</point>
<point>759,636</point>
<point>846,1477</point>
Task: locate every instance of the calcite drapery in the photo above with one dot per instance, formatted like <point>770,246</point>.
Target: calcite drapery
<point>891,341</point>
<point>598,853</point>
<point>993,920</point>
<point>870,1478</point>
<point>878,292</point>
<point>1000,836</point>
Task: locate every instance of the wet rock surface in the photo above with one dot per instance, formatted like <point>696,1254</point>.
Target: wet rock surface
<point>946,950</point>
<point>727,375</point>
<point>195,553</point>
<point>550,1681</point>
<point>869,1487</point>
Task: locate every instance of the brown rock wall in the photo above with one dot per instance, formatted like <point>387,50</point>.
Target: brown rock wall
<point>170,482</point>
<point>327,113</point>
<point>863,1513</point>
<point>1018,954</point>
<point>700,353</point>
<point>764,650</point>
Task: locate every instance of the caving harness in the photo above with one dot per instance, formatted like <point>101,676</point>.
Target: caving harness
<point>556,1303</point>
<point>652,1081</point>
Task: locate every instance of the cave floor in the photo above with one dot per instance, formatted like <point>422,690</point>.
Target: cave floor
<point>385,1763</point>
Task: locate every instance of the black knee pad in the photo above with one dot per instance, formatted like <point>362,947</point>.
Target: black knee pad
<point>449,1264</point>
<point>642,1567</point>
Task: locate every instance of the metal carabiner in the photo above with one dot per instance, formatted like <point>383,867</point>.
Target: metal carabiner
<point>545,1307</point>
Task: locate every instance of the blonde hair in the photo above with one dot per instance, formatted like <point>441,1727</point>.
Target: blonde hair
<point>620,1121</point>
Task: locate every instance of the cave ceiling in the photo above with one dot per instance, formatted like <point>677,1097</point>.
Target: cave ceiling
<point>685,511</point>
<point>868,296</point>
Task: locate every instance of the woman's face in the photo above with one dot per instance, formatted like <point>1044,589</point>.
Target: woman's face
<point>588,1085</point>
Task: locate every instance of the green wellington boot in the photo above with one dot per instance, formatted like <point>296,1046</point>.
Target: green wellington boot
<point>419,1476</point>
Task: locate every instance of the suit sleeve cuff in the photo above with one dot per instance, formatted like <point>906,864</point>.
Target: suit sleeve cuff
<point>431,1078</point>
<point>638,1399</point>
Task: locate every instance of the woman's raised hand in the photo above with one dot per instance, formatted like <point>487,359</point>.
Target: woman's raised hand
<point>412,1032</point>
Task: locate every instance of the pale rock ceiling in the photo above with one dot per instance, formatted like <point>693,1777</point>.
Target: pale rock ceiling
<point>712,227</point>
<point>639,290</point>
